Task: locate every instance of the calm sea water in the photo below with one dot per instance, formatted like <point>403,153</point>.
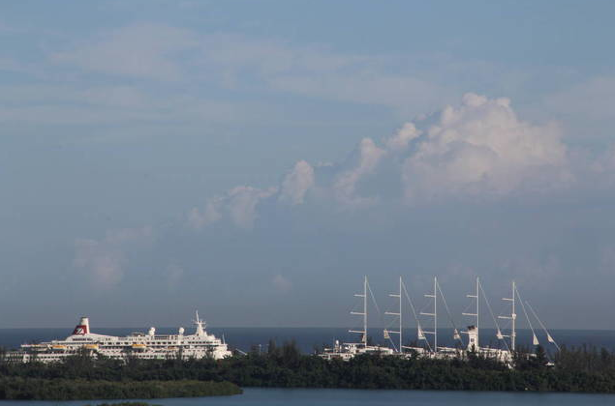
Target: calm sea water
<point>309,338</point>
<point>343,397</point>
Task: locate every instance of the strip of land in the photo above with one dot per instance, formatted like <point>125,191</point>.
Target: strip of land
<point>588,370</point>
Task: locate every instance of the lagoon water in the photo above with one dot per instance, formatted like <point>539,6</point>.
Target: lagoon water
<point>344,397</point>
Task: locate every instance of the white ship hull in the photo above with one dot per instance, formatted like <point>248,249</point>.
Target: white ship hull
<point>137,345</point>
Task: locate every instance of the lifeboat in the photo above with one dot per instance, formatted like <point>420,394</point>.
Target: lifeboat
<point>91,346</point>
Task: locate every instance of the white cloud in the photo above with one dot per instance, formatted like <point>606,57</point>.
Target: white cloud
<point>366,162</point>
<point>479,150</point>
<point>103,260</point>
<point>198,219</point>
<point>297,183</point>
<point>161,52</point>
<point>482,149</point>
<point>239,205</point>
<point>404,136</point>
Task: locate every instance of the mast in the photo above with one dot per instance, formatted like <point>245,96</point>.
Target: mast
<point>365,311</point>
<point>513,338</point>
<point>399,315</point>
<point>401,329</point>
<point>364,314</point>
<point>512,317</point>
<point>434,314</point>
<point>477,297</point>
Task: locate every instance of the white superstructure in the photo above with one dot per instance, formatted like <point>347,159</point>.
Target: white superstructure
<point>136,345</point>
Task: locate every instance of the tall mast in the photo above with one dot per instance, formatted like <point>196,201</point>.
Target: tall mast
<point>434,296</point>
<point>477,297</point>
<point>401,328</point>
<point>435,313</point>
<point>364,314</point>
<point>513,339</point>
<point>365,311</point>
<point>512,317</point>
<point>477,309</point>
<point>399,315</point>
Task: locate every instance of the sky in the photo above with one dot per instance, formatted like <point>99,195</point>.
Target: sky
<point>254,160</point>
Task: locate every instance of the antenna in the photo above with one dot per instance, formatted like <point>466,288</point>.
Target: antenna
<point>200,324</point>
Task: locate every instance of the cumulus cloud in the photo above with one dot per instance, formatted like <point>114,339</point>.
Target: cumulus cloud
<point>297,183</point>
<point>238,205</point>
<point>481,148</point>
<point>103,260</point>
<point>366,162</point>
<point>404,136</point>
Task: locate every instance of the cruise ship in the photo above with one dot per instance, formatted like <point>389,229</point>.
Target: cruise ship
<point>136,345</point>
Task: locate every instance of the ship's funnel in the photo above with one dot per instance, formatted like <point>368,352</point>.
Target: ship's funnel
<point>473,338</point>
<point>83,327</point>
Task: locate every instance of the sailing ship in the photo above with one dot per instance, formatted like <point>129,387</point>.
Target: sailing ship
<point>427,327</point>
<point>347,351</point>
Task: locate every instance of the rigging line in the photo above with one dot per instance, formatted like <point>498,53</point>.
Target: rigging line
<point>416,317</point>
<point>497,325</point>
<point>450,317</point>
<point>542,325</point>
<point>380,316</point>
<point>526,315</point>
<point>393,344</point>
<point>369,288</point>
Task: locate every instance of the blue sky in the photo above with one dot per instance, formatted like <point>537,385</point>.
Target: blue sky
<point>255,159</point>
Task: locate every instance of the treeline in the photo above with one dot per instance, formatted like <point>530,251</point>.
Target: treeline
<point>581,369</point>
<point>18,388</point>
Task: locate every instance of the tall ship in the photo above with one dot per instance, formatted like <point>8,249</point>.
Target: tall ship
<point>135,345</point>
<point>431,347</point>
<point>347,351</point>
